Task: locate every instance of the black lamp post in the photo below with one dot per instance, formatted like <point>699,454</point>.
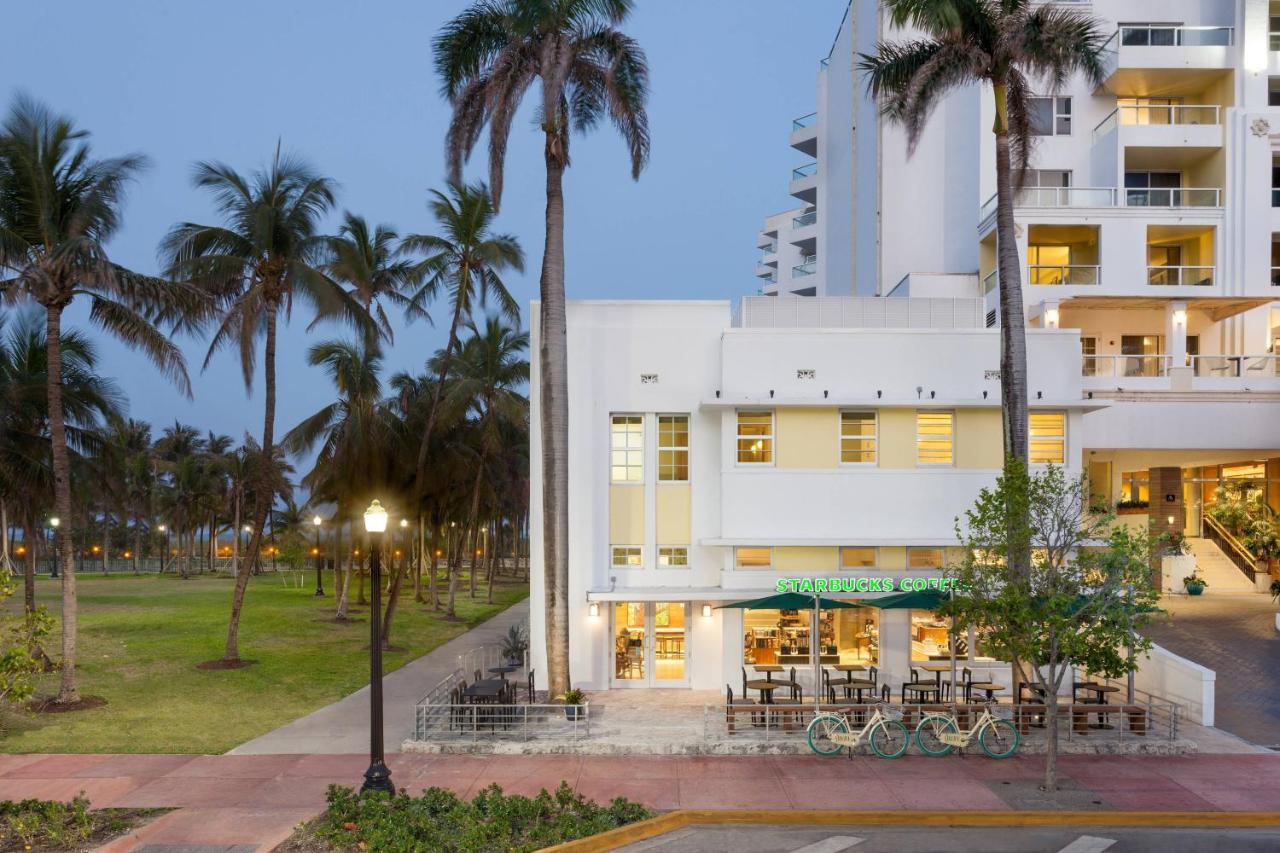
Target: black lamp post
<point>377,777</point>
<point>317,521</point>
<point>53,526</point>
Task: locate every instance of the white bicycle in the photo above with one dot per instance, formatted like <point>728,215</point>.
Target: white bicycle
<point>829,733</point>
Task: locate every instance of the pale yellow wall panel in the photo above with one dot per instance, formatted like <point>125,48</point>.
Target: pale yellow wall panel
<point>673,512</point>
<point>806,559</point>
<point>897,438</point>
<point>808,438</point>
<point>979,438</point>
<point>893,557</point>
<point>626,515</point>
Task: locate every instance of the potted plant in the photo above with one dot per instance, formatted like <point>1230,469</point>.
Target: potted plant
<point>1176,560</point>
<point>1194,583</point>
<point>1275,597</point>
<point>1263,541</point>
<point>573,700</point>
<point>515,644</point>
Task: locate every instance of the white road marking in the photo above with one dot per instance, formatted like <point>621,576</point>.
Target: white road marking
<point>834,844</point>
<point>1088,844</point>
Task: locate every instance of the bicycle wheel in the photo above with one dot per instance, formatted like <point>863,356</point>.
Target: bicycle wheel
<point>929,734</point>
<point>820,731</point>
<point>999,739</point>
<point>890,739</point>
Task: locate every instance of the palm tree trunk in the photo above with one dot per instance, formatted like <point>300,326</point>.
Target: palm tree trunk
<point>68,693</point>
<point>445,360</point>
<point>553,391</point>
<point>341,577</point>
<point>433,594</point>
<point>421,558</point>
<point>472,550</point>
<point>264,496</point>
<point>393,596</point>
<point>359,567</point>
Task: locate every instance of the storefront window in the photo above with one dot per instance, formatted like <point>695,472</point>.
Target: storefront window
<point>928,637</point>
<point>1133,486</point>
<point>849,635</point>
<point>925,558</point>
<point>858,558</point>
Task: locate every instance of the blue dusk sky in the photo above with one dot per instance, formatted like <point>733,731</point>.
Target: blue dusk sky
<point>350,87</point>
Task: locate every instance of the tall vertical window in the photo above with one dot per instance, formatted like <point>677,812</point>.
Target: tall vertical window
<point>1048,437</point>
<point>935,438</point>
<point>673,448</point>
<point>858,438</point>
<point>626,449</point>
<point>755,438</point>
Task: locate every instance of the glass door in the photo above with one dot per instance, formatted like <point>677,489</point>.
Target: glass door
<point>630,646</point>
<point>650,644</point>
<point>670,644</point>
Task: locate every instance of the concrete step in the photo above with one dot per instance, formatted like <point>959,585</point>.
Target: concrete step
<point>1216,568</point>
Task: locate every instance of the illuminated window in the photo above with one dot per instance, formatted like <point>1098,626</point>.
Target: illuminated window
<point>626,449</point>
<point>925,558</point>
<point>753,558</point>
<point>858,558</point>
<point>935,438</point>
<point>673,448</point>
<point>858,438</point>
<point>627,556</point>
<point>673,556</point>
<point>1048,437</point>
<point>755,438</point>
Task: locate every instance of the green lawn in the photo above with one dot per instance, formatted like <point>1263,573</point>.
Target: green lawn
<point>141,638</point>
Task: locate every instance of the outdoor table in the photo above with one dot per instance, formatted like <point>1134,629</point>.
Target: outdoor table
<point>487,689</point>
<point>857,685</point>
<point>989,686</point>
<point>503,670</point>
<point>766,689</point>
<point>769,669</point>
<point>850,667</point>
<point>1100,691</point>
<point>937,669</point>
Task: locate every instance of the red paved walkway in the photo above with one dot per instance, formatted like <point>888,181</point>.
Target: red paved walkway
<point>258,799</point>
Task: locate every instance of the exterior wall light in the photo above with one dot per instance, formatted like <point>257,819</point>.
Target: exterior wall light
<point>1051,318</point>
<point>706,611</point>
<point>593,610</point>
<point>1180,317</point>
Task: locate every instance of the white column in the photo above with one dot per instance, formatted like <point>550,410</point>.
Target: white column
<point>1175,336</point>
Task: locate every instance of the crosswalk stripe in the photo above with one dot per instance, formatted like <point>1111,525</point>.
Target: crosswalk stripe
<point>834,844</point>
<point>1088,844</point>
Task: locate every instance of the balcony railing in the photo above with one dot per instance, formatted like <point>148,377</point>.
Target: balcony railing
<point>1125,365</point>
<point>1236,366</point>
<point>1180,276</point>
<point>805,219</point>
<point>1062,274</point>
<point>804,121</point>
<point>990,282</point>
<point>1273,41</point>
<point>767,273</point>
<point>1168,114</point>
<point>1180,197</point>
<point>809,267</point>
<point>1170,35</point>
<point>769,249</point>
<point>806,171</point>
<point>1275,276</point>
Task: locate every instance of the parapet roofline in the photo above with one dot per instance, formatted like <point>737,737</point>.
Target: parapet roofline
<point>734,401</point>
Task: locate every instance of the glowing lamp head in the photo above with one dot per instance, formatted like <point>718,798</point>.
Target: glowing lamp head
<point>1051,318</point>
<point>1180,317</point>
<point>55,521</point>
<point>317,520</point>
<point>375,518</point>
<point>593,610</point>
<point>404,523</point>
<point>706,611</point>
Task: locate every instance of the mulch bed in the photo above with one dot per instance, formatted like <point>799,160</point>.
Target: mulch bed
<point>225,664</point>
<point>108,824</point>
<point>51,705</point>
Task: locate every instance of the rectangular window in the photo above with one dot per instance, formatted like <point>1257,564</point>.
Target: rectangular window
<point>626,449</point>
<point>1048,437</point>
<point>1048,178</point>
<point>930,637</point>
<point>627,556</point>
<point>858,558</point>
<point>755,438</point>
<point>753,558</point>
<point>935,438</point>
<point>1050,116</point>
<point>673,448</point>
<point>925,558</point>
<point>673,556</point>
<point>858,438</point>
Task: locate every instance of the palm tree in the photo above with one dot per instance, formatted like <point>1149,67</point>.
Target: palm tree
<point>368,263</point>
<point>1006,45</point>
<point>268,254</point>
<point>466,261</point>
<point>587,69</point>
<point>58,208</point>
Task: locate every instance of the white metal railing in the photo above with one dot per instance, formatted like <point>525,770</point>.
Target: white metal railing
<point>804,121</point>
<point>442,722</point>
<point>1275,276</point>
<point>805,219</point>
<point>1173,35</point>
<point>1236,366</point>
<point>808,170</point>
<point>1179,197</point>
<point>1180,276</point>
<point>1118,366</point>
<point>1169,114</point>
<point>1063,274</point>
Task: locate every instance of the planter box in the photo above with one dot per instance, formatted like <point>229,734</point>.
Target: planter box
<point>1133,510</point>
<point>1174,569</point>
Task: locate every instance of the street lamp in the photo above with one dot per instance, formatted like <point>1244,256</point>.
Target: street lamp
<point>54,523</point>
<point>165,530</point>
<point>377,777</point>
<point>317,521</point>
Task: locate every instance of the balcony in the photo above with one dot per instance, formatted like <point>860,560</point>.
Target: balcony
<point>766,273</point>
<point>1073,197</point>
<point>1193,373</point>
<point>805,219</point>
<point>1139,125</point>
<point>804,134</point>
<point>1052,274</point>
<point>1180,276</point>
<point>1183,53</point>
<point>808,267</point>
<point>1181,197</point>
<point>1125,366</point>
<point>1275,276</point>
<point>804,183</point>
<point>1236,366</point>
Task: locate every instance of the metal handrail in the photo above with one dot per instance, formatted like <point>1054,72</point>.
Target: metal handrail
<point>1179,276</point>
<point>1126,366</point>
<point>1063,274</point>
<point>1235,366</point>
<point>1173,112</point>
<point>1239,555</point>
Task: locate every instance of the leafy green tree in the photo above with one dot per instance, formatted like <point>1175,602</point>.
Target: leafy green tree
<point>58,208</point>
<point>268,254</point>
<point>1089,591</point>
<point>584,69</point>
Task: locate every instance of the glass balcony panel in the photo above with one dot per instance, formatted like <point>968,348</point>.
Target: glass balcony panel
<point>804,121</point>
<point>805,219</point>
<point>806,171</point>
<point>1062,274</point>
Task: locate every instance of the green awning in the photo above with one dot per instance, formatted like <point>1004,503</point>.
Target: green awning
<point>789,601</point>
<point>929,599</point>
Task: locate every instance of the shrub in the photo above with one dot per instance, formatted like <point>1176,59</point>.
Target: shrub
<point>51,825</point>
<point>440,820</point>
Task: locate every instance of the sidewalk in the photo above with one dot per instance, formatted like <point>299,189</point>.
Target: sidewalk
<point>258,799</point>
<point>343,727</point>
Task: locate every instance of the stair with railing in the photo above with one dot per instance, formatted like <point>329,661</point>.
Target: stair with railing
<point>1221,567</point>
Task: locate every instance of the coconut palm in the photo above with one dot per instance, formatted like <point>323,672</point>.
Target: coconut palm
<point>466,261</point>
<point>1010,46</point>
<point>58,208</point>
<point>367,261</point>
<point>586,69</point>
<point>268,253</point>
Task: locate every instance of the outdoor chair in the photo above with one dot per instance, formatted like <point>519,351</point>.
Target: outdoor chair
<point>797,693</point>
<point>731,704</point>
<point>966,683</point>
<point>529,688</point>
<point>918,687</point>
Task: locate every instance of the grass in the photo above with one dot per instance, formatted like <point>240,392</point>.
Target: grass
<point>141,638</point>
